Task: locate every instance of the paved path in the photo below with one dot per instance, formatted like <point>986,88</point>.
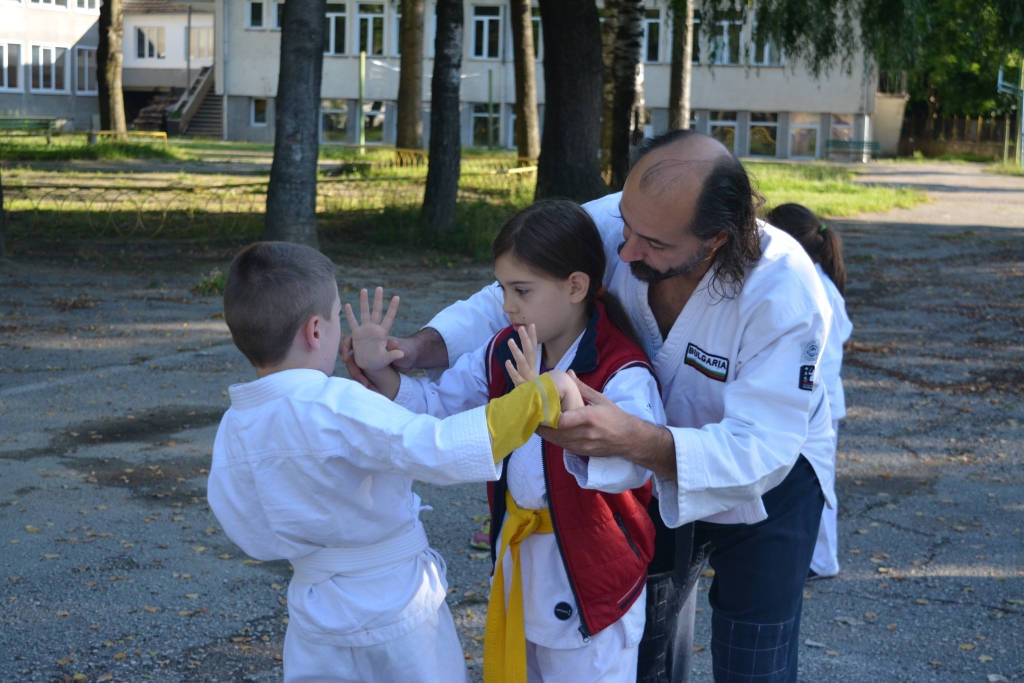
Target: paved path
<point>113,377</point>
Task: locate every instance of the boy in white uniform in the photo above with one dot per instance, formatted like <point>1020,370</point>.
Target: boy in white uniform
<point>318,470</point>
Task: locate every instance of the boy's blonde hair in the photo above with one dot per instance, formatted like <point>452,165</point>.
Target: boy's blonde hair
<point>271,289</point>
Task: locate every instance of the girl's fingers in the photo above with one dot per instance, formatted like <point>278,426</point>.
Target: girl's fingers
<point>517,379</point>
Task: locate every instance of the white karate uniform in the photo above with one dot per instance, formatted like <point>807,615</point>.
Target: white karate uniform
<point>555,645</point>
<point>826,549</point>
<point>738,435</point>
<point>318,470</point>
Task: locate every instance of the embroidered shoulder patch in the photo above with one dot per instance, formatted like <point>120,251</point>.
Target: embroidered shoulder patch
<point>811,350</point>
<point>709,365</point>
<point>807,377</point>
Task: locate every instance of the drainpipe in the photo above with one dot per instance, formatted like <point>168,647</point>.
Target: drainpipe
<point>224,68</point>
<point>188,52</point>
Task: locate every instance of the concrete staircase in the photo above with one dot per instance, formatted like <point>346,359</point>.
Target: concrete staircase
<point>153,115</point>
<point>208,121</point>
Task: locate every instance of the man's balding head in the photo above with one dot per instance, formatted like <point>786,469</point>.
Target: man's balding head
<point>699,182</point>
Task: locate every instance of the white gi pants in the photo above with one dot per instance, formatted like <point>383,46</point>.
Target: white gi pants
<point>826,550</point>
<point>429,654</point>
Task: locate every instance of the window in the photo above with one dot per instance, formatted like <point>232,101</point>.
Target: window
<point>725,42</point>
<point>695,56</point>
<point>723,128</point>
<point>50,3</point>
<point>49,73</point>
<point>484,136</point>
<point>10,60</point>
<point>259,111</point>
<point>371,29</point>
<point>373,122</point>
<point>255,16</point>
<point>149,43</point>
<point>333,121</point>
<point>278,15</point>
<point>334,36</point>
<point>85,61</point>
<point>537,36</point>
<point>88,4</point>
<point>200,42</point>
<point>763,134</point>
<point>652,35</point>
<point>763,52</point>
<point>486,32</point>
<point>803,135</point>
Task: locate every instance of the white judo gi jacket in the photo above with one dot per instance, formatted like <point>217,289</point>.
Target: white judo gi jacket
<point>738,375</point>
<point>831,364</point>
<point>318,470</point>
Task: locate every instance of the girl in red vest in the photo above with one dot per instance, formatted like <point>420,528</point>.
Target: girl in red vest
<point>572,538</point>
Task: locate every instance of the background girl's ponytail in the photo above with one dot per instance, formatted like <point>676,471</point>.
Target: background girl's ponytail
<point>821,242</point>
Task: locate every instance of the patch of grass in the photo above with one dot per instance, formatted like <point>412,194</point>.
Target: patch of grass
<point>78,147</point>
<point>1006,169</point>
<point>211,284</point>
<point>827,189</point>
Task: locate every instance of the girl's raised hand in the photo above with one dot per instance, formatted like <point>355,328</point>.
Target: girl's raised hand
<point>525,367</point>
<point>370,334</point>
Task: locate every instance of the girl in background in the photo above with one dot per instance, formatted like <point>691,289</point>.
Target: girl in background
<point>824,247</point>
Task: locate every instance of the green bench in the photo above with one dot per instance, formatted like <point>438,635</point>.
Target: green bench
<point>854,148</point>
<point>28,125</point>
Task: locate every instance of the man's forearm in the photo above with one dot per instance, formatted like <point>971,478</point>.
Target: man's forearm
<point>654,448</point>
<point>428,350</point>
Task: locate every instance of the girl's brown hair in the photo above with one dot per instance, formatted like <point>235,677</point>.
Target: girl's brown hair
<point>557,238</point>
<point>821,242</point>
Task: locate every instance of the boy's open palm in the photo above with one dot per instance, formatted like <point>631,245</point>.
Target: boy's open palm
<point>370,333</point>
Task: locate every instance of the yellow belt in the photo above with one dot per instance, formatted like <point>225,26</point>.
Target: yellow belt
<point>505,637</point>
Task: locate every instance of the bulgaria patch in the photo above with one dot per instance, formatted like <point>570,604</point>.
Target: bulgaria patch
<point>709,365</point>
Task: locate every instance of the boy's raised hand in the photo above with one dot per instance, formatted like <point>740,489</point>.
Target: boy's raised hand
<point>525,367</point>
<point>370,334</point>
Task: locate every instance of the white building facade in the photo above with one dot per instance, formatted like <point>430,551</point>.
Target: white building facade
<point>48,60</point>
<point>744,94</point>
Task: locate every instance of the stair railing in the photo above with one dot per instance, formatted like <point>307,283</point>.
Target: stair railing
<point>182,112</point>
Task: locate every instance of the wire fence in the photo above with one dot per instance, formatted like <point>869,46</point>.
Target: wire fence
<point>141,208</point>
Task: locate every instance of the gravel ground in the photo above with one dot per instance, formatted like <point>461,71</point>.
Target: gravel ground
<point>113,377</point>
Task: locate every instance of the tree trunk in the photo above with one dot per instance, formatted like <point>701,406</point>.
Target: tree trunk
<point>442,189</point>
<point>3,221</point>
<point>291,195</point>
<point>608,29</point>
<point>410,80</point>
<point>682,65</point>
<point>527,131</point>
<point>109,62</point>
<point>569,166</point>
<point>627,103</point>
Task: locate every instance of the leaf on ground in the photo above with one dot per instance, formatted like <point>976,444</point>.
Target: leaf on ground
<point>51,556</point>
<point>151,609</point>
<point>708,573</point>
<point>699,648</point>
<point>891,627</point>
<point>121,655</point>
<point>32,529</point>
<point>104,678</point>
<point>921,601</point>
<point>225,556</point>
<point>813,643</point>
<point>833,653</point>
<point>276,586</point>
<point>199,548</point>
<point>985,658</point>
<point>966,646</point>
<point>64,613</point>
<point>192,596</point>
<point>65,661</point>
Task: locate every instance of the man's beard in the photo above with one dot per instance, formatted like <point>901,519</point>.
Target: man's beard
<point>645,273</point>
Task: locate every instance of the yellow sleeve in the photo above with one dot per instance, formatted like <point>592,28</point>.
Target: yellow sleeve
<point>513,418</point>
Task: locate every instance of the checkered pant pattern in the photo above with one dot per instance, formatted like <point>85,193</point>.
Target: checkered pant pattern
<point>750,653</point>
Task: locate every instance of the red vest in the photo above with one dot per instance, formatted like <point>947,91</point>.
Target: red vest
<point>606,540</point>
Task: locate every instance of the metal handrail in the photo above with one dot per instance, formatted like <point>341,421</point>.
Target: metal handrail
<point>186,107</point>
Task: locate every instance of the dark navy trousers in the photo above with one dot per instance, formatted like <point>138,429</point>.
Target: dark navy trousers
<point>756,595</point>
